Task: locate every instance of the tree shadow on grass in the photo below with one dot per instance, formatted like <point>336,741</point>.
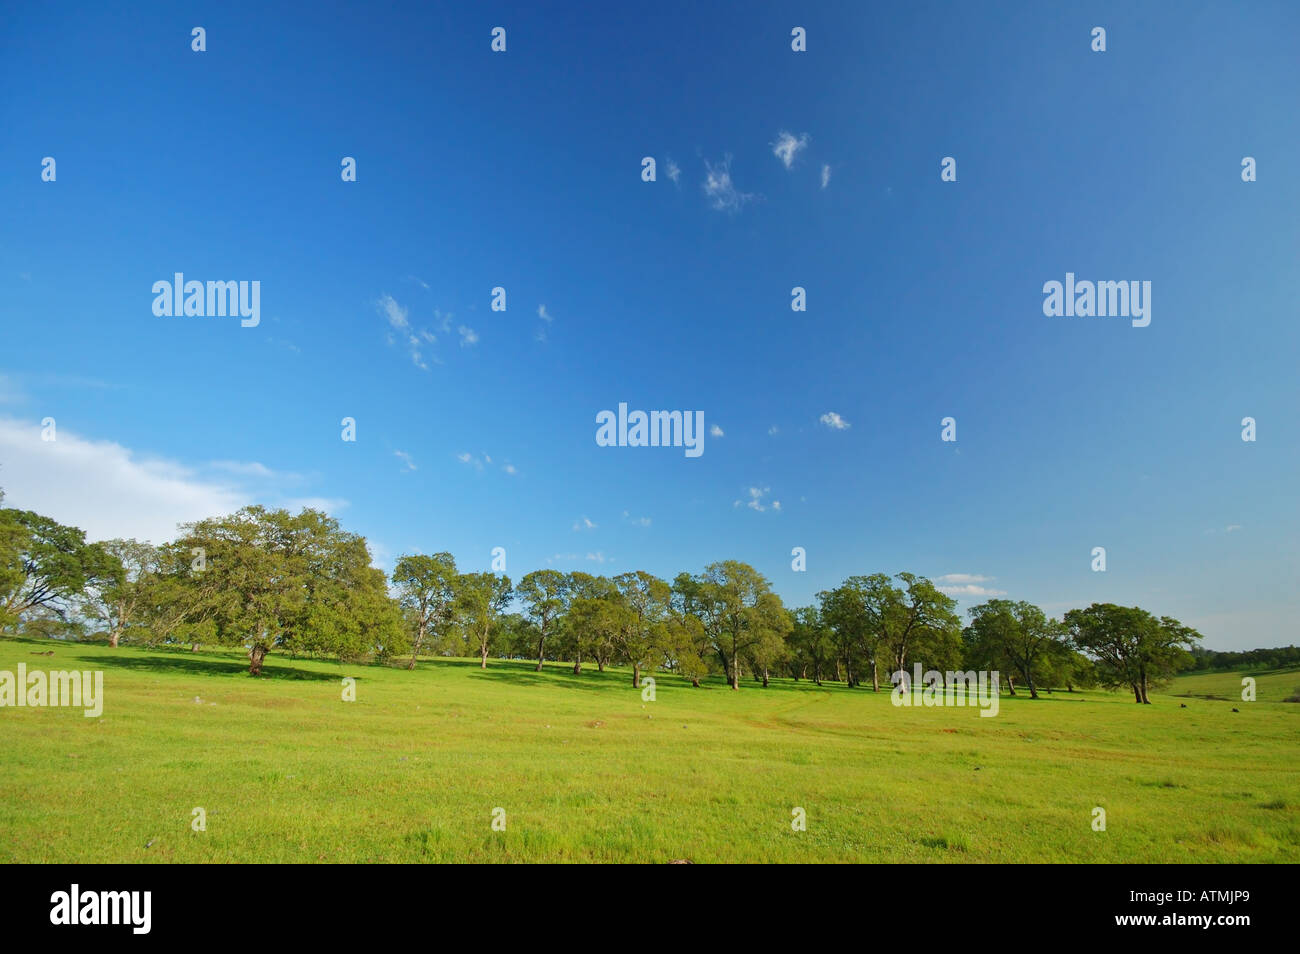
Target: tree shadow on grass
<point>199,666</point>
<point>553,678</point>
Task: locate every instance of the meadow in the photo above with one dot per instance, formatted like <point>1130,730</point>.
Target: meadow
<point>585,770</point>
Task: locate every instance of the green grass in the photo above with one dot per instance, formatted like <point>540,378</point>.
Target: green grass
<point>587,771</point>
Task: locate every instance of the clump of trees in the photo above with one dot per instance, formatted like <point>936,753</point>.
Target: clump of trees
<point>269,580</point>
<point>1280,657</point>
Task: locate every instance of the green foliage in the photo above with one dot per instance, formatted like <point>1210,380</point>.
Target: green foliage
<point>46,566</point>
<point>480,600</point>
<point>1016,638</point>
<point>1130,646</point>
<point>272,580</point>
<point>426,591</point>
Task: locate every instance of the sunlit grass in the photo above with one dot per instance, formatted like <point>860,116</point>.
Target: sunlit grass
<point>587,771</point>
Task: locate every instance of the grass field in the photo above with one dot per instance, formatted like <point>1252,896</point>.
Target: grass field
<point>586,771</point>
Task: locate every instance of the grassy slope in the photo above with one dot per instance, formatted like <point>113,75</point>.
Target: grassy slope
<point>411,771</point>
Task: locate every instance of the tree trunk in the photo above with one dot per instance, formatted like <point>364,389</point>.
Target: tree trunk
<point>415,650</point>
<point>114,637</point>
<point>541,643</point>
<point>577,664</point>
<point>764,677</point>
<point>875,676</point>
<point>636,675</point>
<point>695,682</point>
<point>255,657</point>
<point>1029,680</point>
<point>1137,693</point>
<point>1011,685</point>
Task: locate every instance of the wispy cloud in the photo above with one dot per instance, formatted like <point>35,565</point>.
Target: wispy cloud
<point>674,171</point>
<point>721,191</point>
<point>399,322</point>
<point>834,421</point>
<point>112,491</point>
<point>715,431</point>
<point>546,316</point>
<point>465,457</point>
<point>405,458</point>
<point>966,584</point>
<point>758,500</point>
<point>397,315</point>
<point>249,468</point>
<point>788,146</point>
<point>584,524</point>
<point>468,336</point>
<point>826,175</point>
<point>638,521</point>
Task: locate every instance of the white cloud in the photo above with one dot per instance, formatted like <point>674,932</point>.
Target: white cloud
<point>467,458</point>
<point>597,557</point>
<point>405,458</point>
<point>715,431</point>
<point>722,192</point>
<point>834,421</point>
<point>639,521</point>
<point>756,501</point>
<point>962,578</point>
<point>1231,527</point>
<point>543,314</point>
<point>970,590</point>
<point>787,147</point>
<point>966,584</point>
<point>674,171</point>
<point>395,313</point>
<point>111,491</point>
<point>468,336</point>
<point>584,524</point>
<point>400,324</point>
<point>250,468</point>
<point>826,175</point>
<point>510,469</point>
<point>773,431</point>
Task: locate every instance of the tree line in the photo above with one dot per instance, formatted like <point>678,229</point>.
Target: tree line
<point>268,580</point>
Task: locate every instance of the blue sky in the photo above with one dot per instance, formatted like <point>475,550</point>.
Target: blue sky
<point>522,169</point>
